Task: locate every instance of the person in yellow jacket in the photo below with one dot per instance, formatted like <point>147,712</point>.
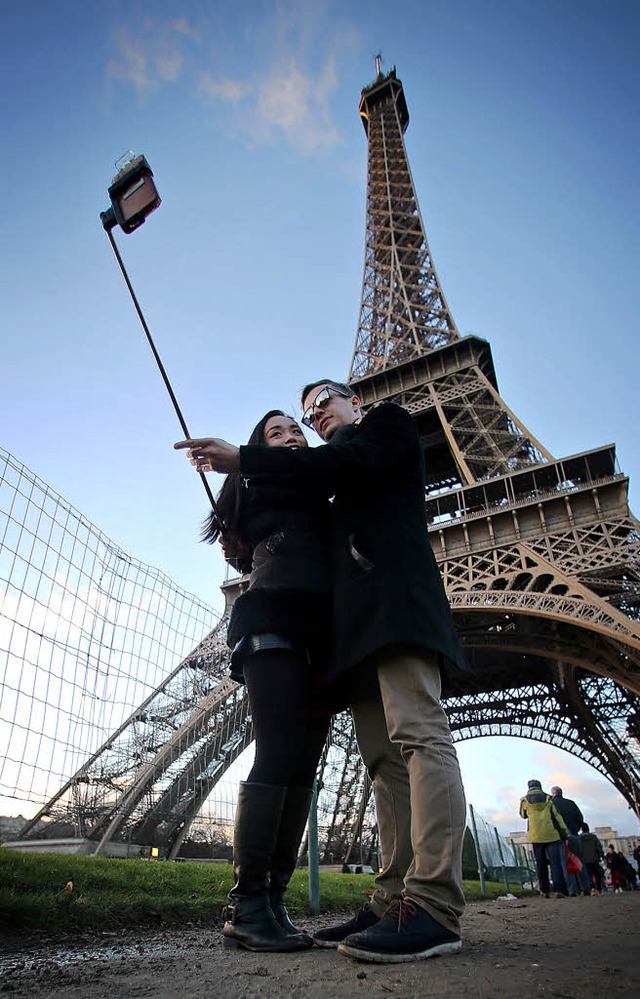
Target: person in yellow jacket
<point>546,831</point>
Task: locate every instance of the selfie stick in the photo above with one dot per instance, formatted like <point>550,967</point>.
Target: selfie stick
<point>133,197</point>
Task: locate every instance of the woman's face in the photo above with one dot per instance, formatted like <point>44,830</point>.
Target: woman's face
<point>282,431</point>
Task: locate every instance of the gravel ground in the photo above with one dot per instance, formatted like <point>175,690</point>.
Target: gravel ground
<point>512,947</point>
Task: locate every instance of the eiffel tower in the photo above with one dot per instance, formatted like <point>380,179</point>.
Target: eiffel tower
<point>540,557</point>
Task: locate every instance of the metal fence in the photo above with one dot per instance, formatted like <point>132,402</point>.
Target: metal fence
<point>496,859</point>
<point>86,633</point>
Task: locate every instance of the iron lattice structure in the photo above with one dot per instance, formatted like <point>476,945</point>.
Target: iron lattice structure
<point>403,311</point>
<point>540,557</point>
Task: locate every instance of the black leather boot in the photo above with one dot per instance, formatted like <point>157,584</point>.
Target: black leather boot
<point>293,819</point>
<point>250,923</point>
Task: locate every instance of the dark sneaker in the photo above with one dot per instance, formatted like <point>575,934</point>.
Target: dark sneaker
<point>333,935</point>
<point>405,933</point>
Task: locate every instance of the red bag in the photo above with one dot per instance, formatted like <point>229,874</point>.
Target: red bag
<point>574,864</point>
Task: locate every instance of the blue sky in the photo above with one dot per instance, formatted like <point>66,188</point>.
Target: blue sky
<point>524,148</point>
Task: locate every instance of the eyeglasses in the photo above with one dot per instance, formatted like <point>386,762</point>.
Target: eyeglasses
<point>320,401</point>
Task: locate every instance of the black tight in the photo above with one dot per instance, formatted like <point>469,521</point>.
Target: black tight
<point>289,732</point>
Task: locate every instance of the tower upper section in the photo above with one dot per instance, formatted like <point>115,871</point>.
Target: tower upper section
<point>403,311</point>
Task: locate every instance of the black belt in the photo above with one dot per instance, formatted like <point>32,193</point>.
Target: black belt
<point>265,642</point>
<point>259,643</point>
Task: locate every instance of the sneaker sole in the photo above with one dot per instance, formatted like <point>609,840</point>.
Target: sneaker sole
<point>380,957</point>
<point>326,943</point>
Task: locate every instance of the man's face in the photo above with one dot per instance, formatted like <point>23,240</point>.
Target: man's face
<point>336,411</point>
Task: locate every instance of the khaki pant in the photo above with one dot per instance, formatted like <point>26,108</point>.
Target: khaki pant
<point>404,738</point>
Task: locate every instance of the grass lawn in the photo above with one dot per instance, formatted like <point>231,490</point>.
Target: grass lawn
<point>57,893</point>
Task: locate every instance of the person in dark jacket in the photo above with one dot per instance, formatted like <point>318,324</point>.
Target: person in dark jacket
<point>277,530</point>
<point>593,853</point>
<point>577,884</point>
<point>393,633</point>
<point>615,862</point>
<point>629,874</point>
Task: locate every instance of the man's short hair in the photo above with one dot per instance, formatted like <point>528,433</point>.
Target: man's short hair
<point>556,790</point>
<point>339,386</point>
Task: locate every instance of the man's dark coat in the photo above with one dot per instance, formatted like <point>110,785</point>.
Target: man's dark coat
<point>570,812</point>
<point>388,591</point>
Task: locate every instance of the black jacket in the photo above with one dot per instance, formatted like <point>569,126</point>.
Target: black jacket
<point>387,589</point>
<point>287,527</point>
<point>570,812</point>
<point>591,848</point>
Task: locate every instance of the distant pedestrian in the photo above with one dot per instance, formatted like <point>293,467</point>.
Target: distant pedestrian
<point>593,853</point>
<point>614,861</point>
<point>573,819</point>
<point>629,875</point>
<point>546,831</point>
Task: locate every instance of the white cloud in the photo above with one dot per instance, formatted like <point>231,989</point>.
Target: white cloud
<point>181,26</point>
<point>598,800</point>
<point>296,105</point>
<point>287,102</point>
<point>222,88</point>
<point>287,99</point>
<point>158,53</point>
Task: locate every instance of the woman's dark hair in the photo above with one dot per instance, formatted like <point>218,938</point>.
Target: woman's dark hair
<point>228,503</point>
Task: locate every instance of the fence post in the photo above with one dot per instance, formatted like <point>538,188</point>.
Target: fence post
<point>504,869</point>
<point>524,864</point>
<point>476,841</point>
<point>314,860</point>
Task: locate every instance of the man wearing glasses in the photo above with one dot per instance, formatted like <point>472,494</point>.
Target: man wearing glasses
<point>393,633</point>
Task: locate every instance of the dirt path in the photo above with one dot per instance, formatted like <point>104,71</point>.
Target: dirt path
<point>567,947</point>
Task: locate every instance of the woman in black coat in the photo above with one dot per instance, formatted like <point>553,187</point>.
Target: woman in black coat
<point>276,529</point>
